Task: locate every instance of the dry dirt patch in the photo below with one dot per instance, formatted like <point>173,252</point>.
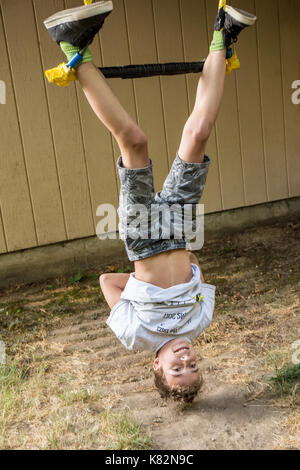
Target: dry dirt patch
<point>72,385</point>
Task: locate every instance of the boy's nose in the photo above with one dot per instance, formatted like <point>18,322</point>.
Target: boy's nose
<point>184,357</point>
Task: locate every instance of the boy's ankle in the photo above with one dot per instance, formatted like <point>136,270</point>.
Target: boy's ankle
<point>70,51</point>
<point>217,43</point>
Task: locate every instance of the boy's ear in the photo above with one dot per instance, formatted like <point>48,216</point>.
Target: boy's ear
<point>156,364</point>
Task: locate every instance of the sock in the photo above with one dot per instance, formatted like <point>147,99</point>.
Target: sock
<point>70,51</point>
<point>217,42</point>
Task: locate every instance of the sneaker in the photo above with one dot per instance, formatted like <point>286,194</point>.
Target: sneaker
<point>79,25</point>
<point>235,21</point>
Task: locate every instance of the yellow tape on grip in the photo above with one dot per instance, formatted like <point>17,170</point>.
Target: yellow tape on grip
<point>88,2</point>
<point>232,64</point>
<point>222,4</point>
<point>61,75</point>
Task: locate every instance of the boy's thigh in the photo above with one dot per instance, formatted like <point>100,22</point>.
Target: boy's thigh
<point>137,185</point>
<point>185,183</point>
<point>136,198</point>
<point>140,225</point>
<point>181,195</point>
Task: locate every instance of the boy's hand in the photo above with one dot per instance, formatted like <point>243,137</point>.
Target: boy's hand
<point>112,286</point>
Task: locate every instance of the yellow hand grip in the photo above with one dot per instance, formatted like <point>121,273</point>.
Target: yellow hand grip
<point>232,64</point>
<point>88,2</point>
<point>61,75</point>
<point>222,4</point>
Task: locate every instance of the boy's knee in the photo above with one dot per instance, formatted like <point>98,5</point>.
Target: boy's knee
<point>198,133</point>
<point>133,138</point>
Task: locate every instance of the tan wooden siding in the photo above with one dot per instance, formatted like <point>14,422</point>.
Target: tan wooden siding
<point>3,246</point>
<point>289,14</point>
<point>57,161</point>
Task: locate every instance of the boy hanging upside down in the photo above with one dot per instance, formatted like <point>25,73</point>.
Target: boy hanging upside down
<point>165,303</point>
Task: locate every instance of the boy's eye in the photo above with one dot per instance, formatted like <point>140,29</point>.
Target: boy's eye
<point>176,369</point>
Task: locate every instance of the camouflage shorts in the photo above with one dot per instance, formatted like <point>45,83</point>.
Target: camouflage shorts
<point>184,186</point>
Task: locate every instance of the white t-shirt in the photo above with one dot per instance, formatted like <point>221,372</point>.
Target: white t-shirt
<point>147,316</point>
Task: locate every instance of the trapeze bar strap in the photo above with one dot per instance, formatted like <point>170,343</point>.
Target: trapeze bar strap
<point>75,61</point>
<point>151,70</point>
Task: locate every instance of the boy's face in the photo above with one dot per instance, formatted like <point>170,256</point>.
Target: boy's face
<point>177,360</point>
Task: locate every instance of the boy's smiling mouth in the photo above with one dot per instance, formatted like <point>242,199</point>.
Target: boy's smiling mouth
<point>181,349</point>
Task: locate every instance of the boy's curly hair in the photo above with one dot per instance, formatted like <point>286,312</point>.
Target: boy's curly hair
<point>177,393</point>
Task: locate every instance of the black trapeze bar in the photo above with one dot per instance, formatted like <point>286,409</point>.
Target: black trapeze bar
<point>152,70</point>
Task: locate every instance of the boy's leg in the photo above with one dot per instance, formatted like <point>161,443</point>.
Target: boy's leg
<point>134,166</point>
<point>229,24</point>
<point>130,138</point>
<point>73,30</point>
<point>208,101</point>
<point>187,178</point>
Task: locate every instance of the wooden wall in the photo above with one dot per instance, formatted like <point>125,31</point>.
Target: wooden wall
<point>57,161</point>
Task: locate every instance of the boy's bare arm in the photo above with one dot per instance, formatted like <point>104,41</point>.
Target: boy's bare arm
<point>112,286</point>
<point>195,260</point>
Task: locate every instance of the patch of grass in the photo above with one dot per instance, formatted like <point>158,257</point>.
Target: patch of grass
<point>79,428</point>
<point>12,316</point>
<point>276,358</point>
<point>287,380</point>
<point>68,419</point>
<point>79,396</point>
<point>122,432</point>
<point>12,378</point>
<point>22,386</point>
<point>126,269</point>
<point>79,277</point>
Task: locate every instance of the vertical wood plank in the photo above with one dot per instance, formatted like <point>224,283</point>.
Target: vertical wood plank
<point>66,131</point>
<point>147,90</point>
<point>271,95</point>
<point>15,199</point>
<point>174,89</point>
<point>228,135</point>
<point>194,27</point>
<point>249,102</point>
<point>3,244</point>
<point>28,80</point>
<point>289,14</point>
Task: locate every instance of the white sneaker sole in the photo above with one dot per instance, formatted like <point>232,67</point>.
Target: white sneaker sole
<point>78,13</point>
<point>241,16</point>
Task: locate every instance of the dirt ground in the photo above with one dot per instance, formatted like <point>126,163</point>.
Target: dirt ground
<point>76,375</point>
